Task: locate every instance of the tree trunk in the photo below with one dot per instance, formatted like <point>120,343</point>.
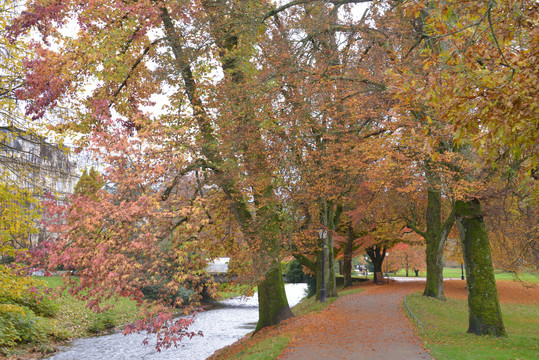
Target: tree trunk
<point>329,269</point>
<point>331,284</point>
<point>485,317</point>
<point>377,255</point>
<point>435,237</point>
<point>434,285</point>
<point>273,305</point>
<point>348,254</point>
<point>329,216</point>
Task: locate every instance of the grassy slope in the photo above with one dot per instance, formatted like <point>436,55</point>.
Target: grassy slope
<point>446,325</point>
<point>75,320</point>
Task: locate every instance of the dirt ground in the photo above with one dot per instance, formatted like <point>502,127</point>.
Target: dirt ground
<point>367,325</point>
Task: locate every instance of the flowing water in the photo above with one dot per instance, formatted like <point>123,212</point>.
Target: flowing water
<point>221,327</point>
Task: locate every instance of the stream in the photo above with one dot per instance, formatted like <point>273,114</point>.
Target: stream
<point>221,327</point>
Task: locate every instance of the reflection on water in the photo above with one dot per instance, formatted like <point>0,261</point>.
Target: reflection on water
<point>221,327</point>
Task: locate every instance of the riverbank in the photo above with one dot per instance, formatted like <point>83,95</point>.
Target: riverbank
<point>73,320</point>
<point>350,328</point>
<point>222,326</point>
<point>269,342</point>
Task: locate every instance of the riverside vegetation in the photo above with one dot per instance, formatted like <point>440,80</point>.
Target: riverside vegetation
<point>60,317</point>
<point>55,319</point>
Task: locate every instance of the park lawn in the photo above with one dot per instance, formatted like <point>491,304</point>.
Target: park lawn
<point>308,305</point>
<point>446,324</point>
<point>268,349</point>
<point>456,273</point>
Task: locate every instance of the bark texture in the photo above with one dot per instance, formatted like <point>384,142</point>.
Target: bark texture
<point>485,317</point>
<point>273,305</point>
<point>435,236</point>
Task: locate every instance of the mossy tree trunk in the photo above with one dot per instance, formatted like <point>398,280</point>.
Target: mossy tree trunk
<point>329,217</point>
<point>435,236</point>
<point>485,317</point>
<point>273,305</point>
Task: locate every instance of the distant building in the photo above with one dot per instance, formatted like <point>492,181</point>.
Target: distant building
<point>28,161</point>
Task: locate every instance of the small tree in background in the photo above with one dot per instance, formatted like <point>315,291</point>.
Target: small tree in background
<point>89,182</point>
<point>408,257</point>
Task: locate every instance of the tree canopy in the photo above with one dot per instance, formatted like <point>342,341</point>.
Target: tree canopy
<point>257,129</point>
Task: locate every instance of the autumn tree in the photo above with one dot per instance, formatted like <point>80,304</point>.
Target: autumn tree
<point>330,103</point>
<point>222,139</point>
<point>482,74</point>
<point>19,206</point>
<point>378,227</point>
<point>511,224</point>
<point>408,257</point>
<point>89,182</point>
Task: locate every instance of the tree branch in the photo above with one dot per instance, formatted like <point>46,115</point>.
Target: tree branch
<point>305,261</point>
<point>301,2</point>
<point>188,169</point>
<point>416,229</point>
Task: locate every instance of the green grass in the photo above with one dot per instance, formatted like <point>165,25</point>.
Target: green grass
<point>227,291</point>
<point>446,324</point>
<point>349,291</point>
<point>268,349</point>
<point>75,320</point>
<point>308,305</point>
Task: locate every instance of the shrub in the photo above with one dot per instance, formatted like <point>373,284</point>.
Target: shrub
<point>19,325</point>
<point>295,273</point>
<point>40,305</point>
<point>102,322</point>
<point>311,285</point>
<point>20,300</point>
<point>156,292</point>
<point>59,334</point>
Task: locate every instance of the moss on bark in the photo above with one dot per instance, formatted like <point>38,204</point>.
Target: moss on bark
<point>273,305</point>
<point>485,317</point>
<point>434,285</point>
<point>435,237</point>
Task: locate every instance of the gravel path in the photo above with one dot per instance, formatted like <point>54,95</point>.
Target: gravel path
<point>368,325</point>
